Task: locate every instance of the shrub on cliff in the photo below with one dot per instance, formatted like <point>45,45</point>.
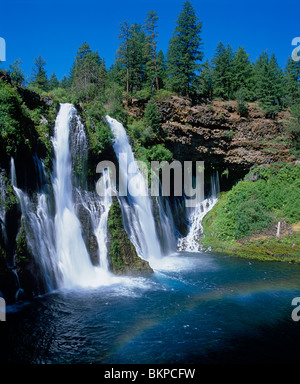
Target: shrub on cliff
<point>14,121</point>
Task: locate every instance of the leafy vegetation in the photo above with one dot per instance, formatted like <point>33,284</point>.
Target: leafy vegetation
<point>251,206</point>
<point>244,220</point>
<point>14,121</point>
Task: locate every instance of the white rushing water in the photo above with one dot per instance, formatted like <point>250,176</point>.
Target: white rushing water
<point>137,206</point>
<point>73,258</point>
<point>192,242</point>
<point>98,210</point>
<point>167,236</point>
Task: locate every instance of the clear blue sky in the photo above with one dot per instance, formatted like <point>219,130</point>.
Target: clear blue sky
<point>55,29</point>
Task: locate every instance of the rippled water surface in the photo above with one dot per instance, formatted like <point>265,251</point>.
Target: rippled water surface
<point>196,308</point>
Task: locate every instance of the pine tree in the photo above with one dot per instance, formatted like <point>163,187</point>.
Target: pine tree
<point>292,82</point>
<point>138,55</point>
<point>161,69</point>
<point>123,53</point>
<point>65,82</point>
<point>152,35</point>
<point>88,73</point>
<point>132,56</point>
<point>205,81</point>
<point>53,82</point>
<point>242,74</point>
<point>39,76</point>
<point>269,84</point>
<point>223,71</point>
<point>184,53</point>
<point>16,73</point>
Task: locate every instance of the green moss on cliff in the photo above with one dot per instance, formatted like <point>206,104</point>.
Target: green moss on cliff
<point>122,254</point>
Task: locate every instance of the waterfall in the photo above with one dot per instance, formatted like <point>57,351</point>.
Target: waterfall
<point>168,230</point>
<point>2,206</point>
<point>98,210</point>
<point>53,230</point>
<point>191,243</point>
<point>73,258</point>
<point>137,205</point>
<point>39,228</point>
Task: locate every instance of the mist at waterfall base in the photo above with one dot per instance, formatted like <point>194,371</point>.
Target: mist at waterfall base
<point>197,307</point>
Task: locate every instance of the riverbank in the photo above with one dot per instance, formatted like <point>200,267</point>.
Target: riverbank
<point>258,246</point>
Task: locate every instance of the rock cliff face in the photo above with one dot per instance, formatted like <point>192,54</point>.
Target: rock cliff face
<point>215,133</point>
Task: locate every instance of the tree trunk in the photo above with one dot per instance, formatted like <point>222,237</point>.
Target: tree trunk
<point>127,81</point>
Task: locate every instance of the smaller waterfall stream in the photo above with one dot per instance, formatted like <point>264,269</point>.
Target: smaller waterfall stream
<point>98,209</point>
<point>39,227</point>
<point>191,243</point>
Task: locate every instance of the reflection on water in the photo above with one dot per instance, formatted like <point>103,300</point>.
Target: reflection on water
<point>196,308</point>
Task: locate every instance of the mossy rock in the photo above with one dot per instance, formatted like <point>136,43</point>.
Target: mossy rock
<point>122,255</point>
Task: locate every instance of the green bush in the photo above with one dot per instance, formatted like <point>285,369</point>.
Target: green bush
<point>253,205</point>
<point>152,118</point>
<point>60,95</point>
<point>162,94</point>
<point>14,121</point>
<point>143,94</point>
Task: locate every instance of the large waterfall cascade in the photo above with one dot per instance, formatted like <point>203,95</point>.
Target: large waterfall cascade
<point>54,231</point>
<point>56,241</point>
<point>73,258</point>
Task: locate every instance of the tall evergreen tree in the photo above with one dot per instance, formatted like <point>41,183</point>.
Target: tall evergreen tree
<point>138,56</point>
<point>152,36</point>
<point>242,73</point>
<point>292,82</point>
<point>65,82</point>
<point>88,73</point>
<point>132,56</point>
<point>123,53</point>
<point>161,69</point>
<point>39,78</point>
<point>223,71</point>
<point>205,81</point>
<point>53,81</point>
<point>185,51</point>
<point>269,84</point>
